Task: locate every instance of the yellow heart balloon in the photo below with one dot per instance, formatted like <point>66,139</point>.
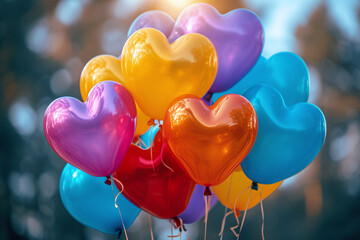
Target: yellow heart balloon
<point>157,72</point>
<point>237,188</point>
<point>108,68</point>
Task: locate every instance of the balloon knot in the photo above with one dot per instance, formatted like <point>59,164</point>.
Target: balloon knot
<point>118,233</point>
<point>208,96</point>
<point>108,180</point>
<point>151,122</point>
<point>177,222</point>
<point>254,186</point>
<point>207,192</point>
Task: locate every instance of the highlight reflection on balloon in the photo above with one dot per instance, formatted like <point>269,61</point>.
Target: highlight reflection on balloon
<point>289,138</point>
<point>93,136</point>
<point>210,142</point>
<point>91,202</point>
<point>154,181</point>
<point>108,68</point>
<point>284,71</point>
<point>157,72</point>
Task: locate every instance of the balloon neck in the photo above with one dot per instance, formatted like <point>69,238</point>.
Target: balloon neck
<point>151,122</point>
<point>108,180</point>
<point>118,233</point>
<point>177,223</point>
<point>208,96</point>
<point>254,186</point>
<point>207,192</point>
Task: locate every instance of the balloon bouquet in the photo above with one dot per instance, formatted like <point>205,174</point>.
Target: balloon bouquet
<point>220,115</point>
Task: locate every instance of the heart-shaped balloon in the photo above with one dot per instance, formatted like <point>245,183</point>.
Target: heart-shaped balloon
<point>284,71</point>
<point>289,138</point>
<point>153,19</point>
<point>238,37</point>
<point>210,142</point>
<point>156,72</point>
<point>237,187</point>
<point>153,180</point>
<point>196,208</point>
<point>93,136</point>
<point>91,202</point>
<point>108,68</point>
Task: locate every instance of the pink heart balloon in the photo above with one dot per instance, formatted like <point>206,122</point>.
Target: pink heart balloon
<point>93,136</point>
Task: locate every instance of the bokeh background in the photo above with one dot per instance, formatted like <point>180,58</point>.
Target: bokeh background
<point>44,44</point>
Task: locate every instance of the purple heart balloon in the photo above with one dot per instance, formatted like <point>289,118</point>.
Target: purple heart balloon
<point>153,19</point>
<point>196,208</point>
<point>93,136</point>
<point>238,37</point>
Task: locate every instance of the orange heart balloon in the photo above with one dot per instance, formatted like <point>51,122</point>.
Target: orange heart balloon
<point>237,187</point>
<point>210,142</point>
<point>157,72</point>
<point>105,68</point>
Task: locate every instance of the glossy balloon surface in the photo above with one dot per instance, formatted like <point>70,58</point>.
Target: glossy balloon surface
<point>234,190</point>
<point>288,139</point>
<point>108,68</point>
<point>153,19</point>
<point>238,37</point>
<point>92,203</point>
<point>154,181</point>
<point>210,142</point>
<point>156,72</point>
<point>93,136</point>
<point>196,208</point>
<point>284,71</point>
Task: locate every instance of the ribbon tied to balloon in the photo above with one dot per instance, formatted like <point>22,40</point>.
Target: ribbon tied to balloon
<point>91,202</point>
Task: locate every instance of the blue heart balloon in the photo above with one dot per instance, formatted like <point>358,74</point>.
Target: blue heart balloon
<point>288,139</point>
<point>284,71</point>
<point>148,137</point>
<point>91,202</point>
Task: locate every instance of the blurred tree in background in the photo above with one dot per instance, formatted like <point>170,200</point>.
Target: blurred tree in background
<point>45,44</point>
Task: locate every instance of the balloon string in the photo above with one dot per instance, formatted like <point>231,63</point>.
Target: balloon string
<point>151,231</point>
<point>207,200</point>
<point>262,215</point>
<point>142,142</point>
<point>172,225</point>
<point>243,219</point>
<point>223,223</point>
<point>221,234</point>
<point>122,189</point>
<point>167,165</point>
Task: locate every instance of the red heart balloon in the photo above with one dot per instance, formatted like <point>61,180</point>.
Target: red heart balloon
<point>210,142</point>
<point>154,181</point>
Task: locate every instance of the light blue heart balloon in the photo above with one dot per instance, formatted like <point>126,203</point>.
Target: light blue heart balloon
<point>288,138</point>
<point>91,202</point>
<point>284,71</point>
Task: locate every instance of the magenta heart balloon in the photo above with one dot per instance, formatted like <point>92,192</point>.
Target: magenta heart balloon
<point>238,37</point>
<point>93,136</point>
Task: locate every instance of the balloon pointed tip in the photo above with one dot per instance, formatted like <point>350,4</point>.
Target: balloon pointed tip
<point>108,181</point>
<point>207,192</point>
<point>118,233</point>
